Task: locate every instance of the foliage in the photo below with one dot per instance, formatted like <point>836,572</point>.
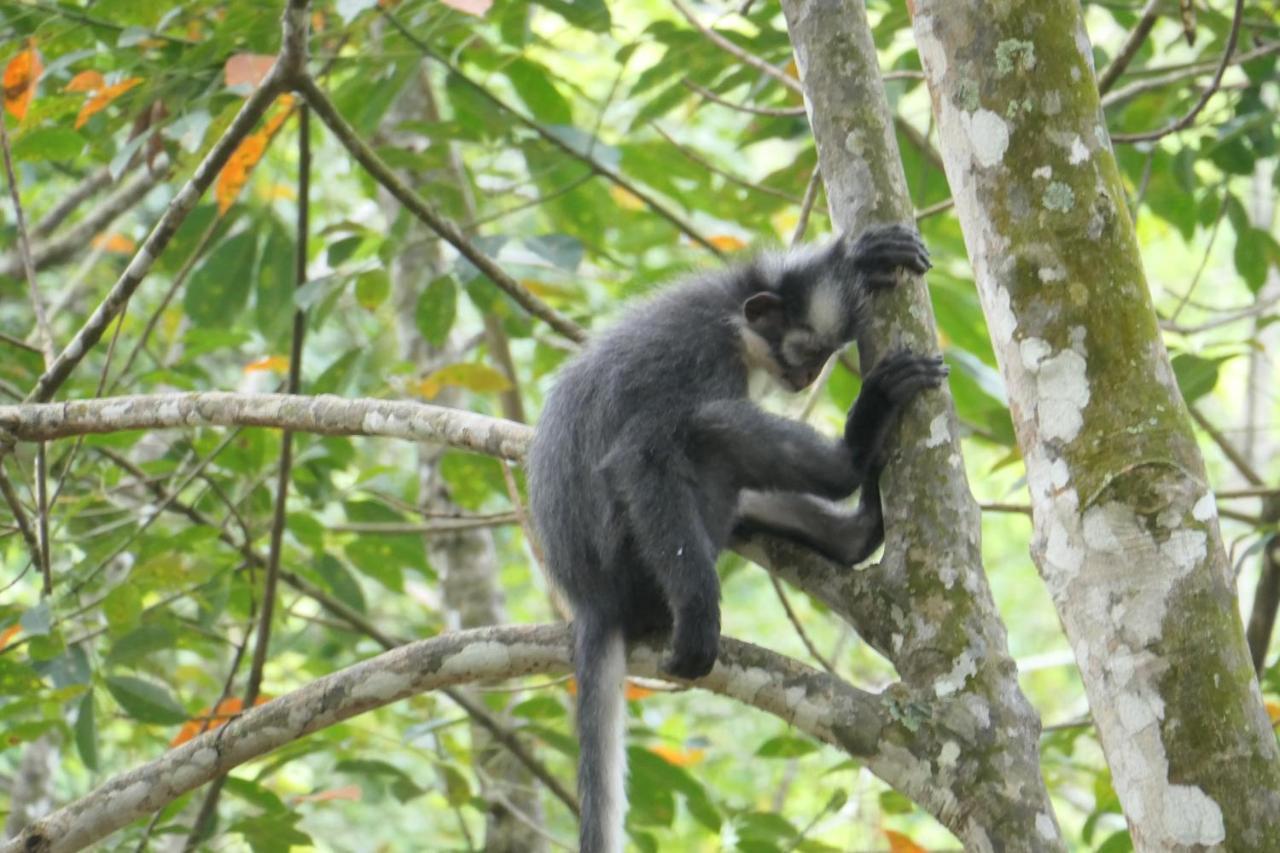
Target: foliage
<point>546,130</point>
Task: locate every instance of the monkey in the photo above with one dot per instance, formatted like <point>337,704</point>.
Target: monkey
<point>649,458</point>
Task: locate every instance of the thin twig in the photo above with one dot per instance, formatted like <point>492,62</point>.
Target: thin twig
<point>555,140</point>
<point>419,207</point>
<point>935,208</point>
<point>772,112</point>
<point>396,528</point>
<point>806,205</point>
<point>733,50</point>
<point>1228,449</point>
<point>795,623</point>
<point>1182,123</point>
<point>695,157</point>
<point>1130,48</point>
<point>44,334</point>
<point>20,518</point>
<point>1168,74</point>
<point>1204,261</point>
<point>75,197</point>
<point>1259,307</point>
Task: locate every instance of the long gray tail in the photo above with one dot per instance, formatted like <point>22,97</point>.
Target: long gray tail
<point>600,665</point>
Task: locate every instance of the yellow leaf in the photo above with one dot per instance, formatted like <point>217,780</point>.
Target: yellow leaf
<point>792,70</point>
<point>479,378</point>
<point>20,77</point>
<point>726,242</point>
<point>247,69</point>
<point>117,243</point>
<point>1273,708</point>
<point>102,98</point>
<point>8,634</point>
<point>678,757</point>
<point>278,363</point>
<point>235,174</point>
<point>899,843</point>
<point>544,290</point>
<point>625,198</point>
<point>86,81</point>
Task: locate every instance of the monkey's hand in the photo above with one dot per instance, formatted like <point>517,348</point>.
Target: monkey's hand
<point>894,381</point>
<point>881,250</point>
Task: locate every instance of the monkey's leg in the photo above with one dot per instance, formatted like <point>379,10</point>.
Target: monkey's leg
<point>842,535</point>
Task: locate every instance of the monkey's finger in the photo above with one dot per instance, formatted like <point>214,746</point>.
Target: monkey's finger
<point>908,254</point>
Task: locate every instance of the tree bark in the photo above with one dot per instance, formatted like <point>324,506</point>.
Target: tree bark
<point>1126,529</point>
<point>940,628</point>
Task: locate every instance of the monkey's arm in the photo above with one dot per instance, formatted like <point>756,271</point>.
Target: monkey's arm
<point>842,535</point>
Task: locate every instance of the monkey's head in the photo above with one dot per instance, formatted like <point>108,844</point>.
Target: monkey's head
<point>802,308</point>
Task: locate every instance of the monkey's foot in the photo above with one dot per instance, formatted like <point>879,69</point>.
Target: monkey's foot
<point>693,651</point>
<point>882,250</point>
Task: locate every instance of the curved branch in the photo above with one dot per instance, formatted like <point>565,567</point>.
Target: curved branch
<point>1109,75</point>
<point>813,702</point>
<point>733,50</point>
<point>1183,123</point>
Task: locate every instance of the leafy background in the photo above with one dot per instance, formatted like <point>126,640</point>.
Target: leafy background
<point>547,130</point>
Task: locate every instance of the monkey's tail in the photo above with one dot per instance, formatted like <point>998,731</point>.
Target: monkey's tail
<point>600,665</point>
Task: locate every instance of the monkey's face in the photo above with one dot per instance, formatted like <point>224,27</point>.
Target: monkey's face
<point>782,343</point>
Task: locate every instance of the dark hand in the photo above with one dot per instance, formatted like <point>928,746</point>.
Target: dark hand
<point>890,385</point>
<point>882,250</point>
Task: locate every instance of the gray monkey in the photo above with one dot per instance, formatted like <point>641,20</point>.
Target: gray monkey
<point>649,457</point>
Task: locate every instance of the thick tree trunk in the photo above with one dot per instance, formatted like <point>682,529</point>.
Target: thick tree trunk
<point>1126,530</point>
<point>934,616</point>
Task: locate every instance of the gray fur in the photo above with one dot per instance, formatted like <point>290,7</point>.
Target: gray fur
<point>648,442</point>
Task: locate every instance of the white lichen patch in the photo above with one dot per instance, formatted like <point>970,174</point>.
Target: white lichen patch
<point>1033,351</point>
<point>1048,275</point>
<point>1042,173</point>
<point>749,682</point>
<point>1000,316</point>
<point>1045,827</point>
<point>1059,197</point>
<point>1079,152</point>
<point>948,754</point>
<point>493,657</point>
<point>953,682</point>
<point>1206,509</point>
<point>1192,817</point>
<point>1062,390</point>
<point>938,433</point>
<point>988,136</point>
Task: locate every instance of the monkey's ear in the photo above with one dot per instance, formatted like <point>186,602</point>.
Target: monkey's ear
<point>762,308</point>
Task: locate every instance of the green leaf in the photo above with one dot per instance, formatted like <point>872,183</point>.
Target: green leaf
<point>219,289</point>
<point>590,15</point>
<point>1252,257</point>
<point>86,732</point>
<point>256,795</point>
<point>786,746</point>
<point>273,302</point>
<point>48,143</point>
<point>532,83</point>
<point>436,309</point>
<point>146,701</point>
<point>272,833</point>
<point>372,288</point>
<point>1196,376</point>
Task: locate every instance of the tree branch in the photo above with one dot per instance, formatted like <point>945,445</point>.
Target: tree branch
<point>1130,48</point>
<point>814,702</point>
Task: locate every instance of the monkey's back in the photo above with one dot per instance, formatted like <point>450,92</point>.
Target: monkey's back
<point>639,379</point>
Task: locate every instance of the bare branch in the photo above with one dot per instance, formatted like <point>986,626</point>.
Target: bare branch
<point>1130,48</point>
<point>67,205</point>
<point>814,702</point>
<point>733,50</point>
<point>43,333</point>
<point>774,112</point>
<point>1182,123</point>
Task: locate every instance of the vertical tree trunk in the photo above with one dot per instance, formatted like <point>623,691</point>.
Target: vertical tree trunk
<point>1126,530</point>
<point>934,617</point>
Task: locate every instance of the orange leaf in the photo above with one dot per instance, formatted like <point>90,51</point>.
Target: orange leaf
<point>208,719</point>
<point>278,363</point>
<point>20,77</point>
<point>899,843</point>
<point>235,174</point>
<point>347,792</point>
<point>726,242</point>
<point>103,97</point>
<point>117,243</point>
<point>248,68</point>
<point>471,7</point>
<point>86,81</point>
<point>635,692</point>
<point>678,757</point>
<point>8,634</point>
<point>1273,708</point>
